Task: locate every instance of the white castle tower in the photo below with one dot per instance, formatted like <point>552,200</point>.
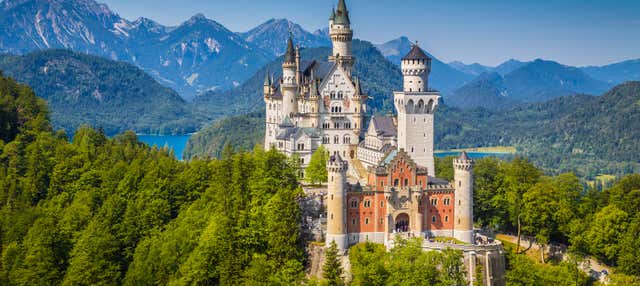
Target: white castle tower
<point>416,105</point>
<point>290,81</point>
<point>337,202</point>
<point>463,179</point>
<point>341,37</point>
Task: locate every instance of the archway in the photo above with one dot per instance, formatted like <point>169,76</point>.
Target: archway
<point>402,223</point>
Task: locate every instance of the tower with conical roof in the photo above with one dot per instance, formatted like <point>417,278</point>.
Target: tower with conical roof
<point>290,80</point>
<point>463,209</point>
<point>341,36</point>
<point>416,105</point>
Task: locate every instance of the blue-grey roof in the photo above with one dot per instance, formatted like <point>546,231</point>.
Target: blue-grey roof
<point>384,126</point>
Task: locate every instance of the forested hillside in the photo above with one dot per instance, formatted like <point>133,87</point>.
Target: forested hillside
<point>117,212</point>
<point>83,89</point>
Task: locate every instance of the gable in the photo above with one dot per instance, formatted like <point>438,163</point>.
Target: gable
<point>337,80</point>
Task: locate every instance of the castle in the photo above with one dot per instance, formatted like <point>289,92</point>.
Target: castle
<point>321,103</point>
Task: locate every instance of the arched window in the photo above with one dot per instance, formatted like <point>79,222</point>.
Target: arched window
<point>333,95</point>
<point>367,203</point>
<point>340,95</point>
<point>433,219</point>
<point>410,106</point>
<point>366,220</point>
<point>346,139</point>
<point>446,218</point>
<point>354,203</point>
<point>336,139</point>
<point>406,182</point>
<point>396,182</point>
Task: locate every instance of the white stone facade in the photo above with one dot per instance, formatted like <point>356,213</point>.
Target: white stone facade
<point>316,103</point>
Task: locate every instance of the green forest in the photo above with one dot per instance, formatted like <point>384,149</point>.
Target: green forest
<point>113,211</point>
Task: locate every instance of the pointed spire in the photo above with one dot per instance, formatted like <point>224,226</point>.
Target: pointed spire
<point>342,14</point>
<point>290,56</point>
<point>333,14</point>
<point>267,81</point>
<point>358,88</point>
<point>272,81</point>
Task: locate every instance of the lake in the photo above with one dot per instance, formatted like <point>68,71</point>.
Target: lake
<point>178,143</point>
<point>472,155</point>
<point>175,142</point>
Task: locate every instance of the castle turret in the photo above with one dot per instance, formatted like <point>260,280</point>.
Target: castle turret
<point>337,202</point>
<point>416,106</point>
<point>463,176</point>
<point>341,36</point>
<point>416,67</point>
<point>289,84</point>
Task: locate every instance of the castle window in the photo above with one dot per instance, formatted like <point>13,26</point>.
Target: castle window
<point>333,95</point>
<point>434,201</point>
<point>346,139</point>
<point>459,202</point>
<point>354,203</point>
<point>382,204</point>
<point>340,95</point>
<point>433,219</point>
<point>406,182</point>
<point>336,140</point>
<point>331,216</point>
<point>332,195</point>
<point>459,183</point>
<point>395,182</point>
<point>446,218</point>
<point>366,221</point>
<point>336,125</point>
<point>353,221</point>
<point>381,220</point>
<point>367,204</point>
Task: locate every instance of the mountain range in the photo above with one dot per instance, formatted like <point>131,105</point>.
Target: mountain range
<point>195,56</point>
<point>536,81</point>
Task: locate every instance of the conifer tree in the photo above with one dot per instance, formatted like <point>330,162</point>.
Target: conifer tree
<point>332,270</point>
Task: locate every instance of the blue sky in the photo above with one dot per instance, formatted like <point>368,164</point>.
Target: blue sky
<point>489,32</point>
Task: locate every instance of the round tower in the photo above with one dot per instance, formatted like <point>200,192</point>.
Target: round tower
<point>336,202</point>
<point>289,84</point>
<point>463,180</point>
<point>416,67</point>
<point>341,35</point>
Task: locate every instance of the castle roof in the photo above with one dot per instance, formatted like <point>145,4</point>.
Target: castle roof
<point>463,156</point>
<point>416,53</point>
<point>384,126</point>
<point>289,56</point>
<point>342,14</point>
